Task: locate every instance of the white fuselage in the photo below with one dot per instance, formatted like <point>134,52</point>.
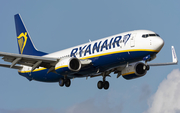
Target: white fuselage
<point>135,41</point>
<point>114,50</point>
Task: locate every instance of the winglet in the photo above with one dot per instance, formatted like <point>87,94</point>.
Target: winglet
<point>174,57</point>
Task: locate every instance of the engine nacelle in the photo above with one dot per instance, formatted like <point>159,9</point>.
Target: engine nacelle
<point>134,70</point>
<point>68,65</point>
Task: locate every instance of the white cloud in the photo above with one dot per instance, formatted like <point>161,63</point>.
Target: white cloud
<point>167,97</point>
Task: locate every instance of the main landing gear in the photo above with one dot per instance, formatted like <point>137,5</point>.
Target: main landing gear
<point>146,66</point>
<point>66,82</point>
<point>103,84</point>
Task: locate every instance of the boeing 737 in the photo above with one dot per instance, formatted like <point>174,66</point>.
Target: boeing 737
<point>125,54</point>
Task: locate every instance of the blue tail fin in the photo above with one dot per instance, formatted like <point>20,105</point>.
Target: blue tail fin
<point>25,43</point>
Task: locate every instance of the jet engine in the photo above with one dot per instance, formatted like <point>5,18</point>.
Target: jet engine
<point>68,65</point>
<point>134,70</point>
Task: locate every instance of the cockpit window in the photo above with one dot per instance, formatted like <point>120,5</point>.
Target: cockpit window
<point>152,34</point>
<point>149,35</point>
<point>145,36</point>
<point>157,35</point>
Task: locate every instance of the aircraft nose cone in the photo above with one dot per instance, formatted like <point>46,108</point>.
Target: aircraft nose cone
<point>159,43</point>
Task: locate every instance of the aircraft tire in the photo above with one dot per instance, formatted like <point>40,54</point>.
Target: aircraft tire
<point>61,82</point>
<point>67,82</point>
<point>100,85</point>
<point>106,85</point>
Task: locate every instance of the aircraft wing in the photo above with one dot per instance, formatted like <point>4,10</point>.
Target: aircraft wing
<point>120,68</point>
<point>174,59</point>
<point>28,60</point>
<point>8,66</point>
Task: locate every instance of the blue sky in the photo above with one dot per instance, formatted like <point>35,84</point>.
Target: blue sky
<point>60,24</point>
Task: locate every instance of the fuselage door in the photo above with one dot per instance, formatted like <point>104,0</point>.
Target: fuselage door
<point>133,40</point>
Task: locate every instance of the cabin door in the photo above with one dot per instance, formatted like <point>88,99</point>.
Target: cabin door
<point>133,40</point>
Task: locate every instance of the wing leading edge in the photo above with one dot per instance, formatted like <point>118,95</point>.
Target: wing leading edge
<point>33,61</point>
<point>28,60</point>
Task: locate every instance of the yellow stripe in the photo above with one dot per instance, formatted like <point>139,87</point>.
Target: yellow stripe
<point>119,52</point>
<point>128,73</point>
<point>93,57</point>
<point>28,71</point>
<point>61,67</point>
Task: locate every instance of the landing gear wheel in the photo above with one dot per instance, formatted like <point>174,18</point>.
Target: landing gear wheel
<point>67,82</point>
<point>106,85</point>
<point>100,85</point>
<point>61,82</point>
<point>146,67</point>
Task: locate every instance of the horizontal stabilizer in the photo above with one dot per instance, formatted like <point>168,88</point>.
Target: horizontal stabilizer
<point>174,59</point>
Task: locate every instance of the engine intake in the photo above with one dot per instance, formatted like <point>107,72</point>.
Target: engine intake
<point>68,65</point>
<point>134,70</point>
<point>74,64</point>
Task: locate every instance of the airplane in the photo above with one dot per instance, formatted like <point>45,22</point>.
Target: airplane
<point>126,54</point>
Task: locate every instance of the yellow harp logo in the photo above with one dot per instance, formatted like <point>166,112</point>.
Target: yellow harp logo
<point>22,39</point>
